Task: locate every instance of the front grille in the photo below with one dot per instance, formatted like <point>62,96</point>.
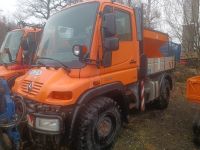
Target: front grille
<point>33,107</point>
<point>36,86</point>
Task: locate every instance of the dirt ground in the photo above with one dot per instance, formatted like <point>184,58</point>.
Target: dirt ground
<point>170,129</point>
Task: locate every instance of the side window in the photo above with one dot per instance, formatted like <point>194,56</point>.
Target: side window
<point>123,23</point>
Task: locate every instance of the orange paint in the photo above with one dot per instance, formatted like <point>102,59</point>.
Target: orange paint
<point>78,81</point>
<point>17,68</point>
<point>153,41</point>
<point>193,89</point>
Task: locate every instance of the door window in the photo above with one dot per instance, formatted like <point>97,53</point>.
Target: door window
<point>123,25</point>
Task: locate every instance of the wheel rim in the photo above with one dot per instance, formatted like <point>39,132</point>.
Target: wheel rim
<point>104,127</point>
<point>105,130</point>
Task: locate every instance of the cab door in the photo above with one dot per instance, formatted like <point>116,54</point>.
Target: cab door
<point>124,61</point>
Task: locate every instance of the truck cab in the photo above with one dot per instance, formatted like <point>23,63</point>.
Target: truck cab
<point>16,57</point>
<point>94,62</point>
<point>17,52</point>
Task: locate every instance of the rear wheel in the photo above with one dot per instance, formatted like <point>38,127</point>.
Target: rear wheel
<point>163,101</point>
<point>196,130</point>
<point>99,125</point>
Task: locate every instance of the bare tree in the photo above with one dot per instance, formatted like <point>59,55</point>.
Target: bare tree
<point>174,17</point>
<point>41,9</point>
<point>5,26</point>
<point>151,12</point>
<point>20,16</point>
<point>182,17</point>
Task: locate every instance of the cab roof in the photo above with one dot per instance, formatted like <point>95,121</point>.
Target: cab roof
<point>28,29</point>
<point>100,1</point>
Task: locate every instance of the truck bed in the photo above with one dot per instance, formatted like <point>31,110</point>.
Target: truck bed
<point>158,51</point>
<point>193,89</point>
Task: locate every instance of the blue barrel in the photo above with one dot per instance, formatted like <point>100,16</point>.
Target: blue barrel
<point>171,49</point>
<point>176,48</point>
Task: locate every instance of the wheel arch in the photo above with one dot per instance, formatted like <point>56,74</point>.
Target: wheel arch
<point>116,91</point>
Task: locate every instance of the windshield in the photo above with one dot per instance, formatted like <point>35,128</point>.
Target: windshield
<point>72,26</point>
<point>10,46</point>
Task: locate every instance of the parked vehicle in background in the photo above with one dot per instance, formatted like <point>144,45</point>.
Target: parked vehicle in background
<point>94,63</point>
<point>16,57</point>
<point>17,52</point>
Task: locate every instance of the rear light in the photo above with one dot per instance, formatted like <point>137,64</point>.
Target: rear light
<point>31,120</point>
<point>61,95</point>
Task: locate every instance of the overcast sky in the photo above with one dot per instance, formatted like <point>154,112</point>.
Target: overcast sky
<point>8,7</point>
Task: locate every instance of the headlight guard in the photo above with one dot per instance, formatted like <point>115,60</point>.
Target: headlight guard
<point>51,124</point>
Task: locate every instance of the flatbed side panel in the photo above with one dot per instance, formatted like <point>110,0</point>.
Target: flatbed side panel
<point>157,49</point>
<point>156,65</point>
<point>193,89</point>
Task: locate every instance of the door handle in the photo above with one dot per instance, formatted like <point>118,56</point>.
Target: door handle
<point>133,61</point>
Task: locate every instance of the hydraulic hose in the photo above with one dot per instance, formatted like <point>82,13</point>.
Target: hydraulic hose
<point>20,119</point>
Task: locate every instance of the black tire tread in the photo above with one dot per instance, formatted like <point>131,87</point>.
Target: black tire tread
<point>196,133</point>
<point>100,104</point>
<point>161,103</point>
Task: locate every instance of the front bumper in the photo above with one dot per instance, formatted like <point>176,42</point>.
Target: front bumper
<point>48,112</point>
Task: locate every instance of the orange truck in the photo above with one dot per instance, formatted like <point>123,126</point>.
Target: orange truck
<point>95,62</point>
<point>193,96</point>
<point>16,57</point>
<point>17,52</point>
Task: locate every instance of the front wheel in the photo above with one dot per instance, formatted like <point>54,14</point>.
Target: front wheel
<point>98,125</point>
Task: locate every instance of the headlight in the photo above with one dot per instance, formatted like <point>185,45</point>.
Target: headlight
<point>47,124</point>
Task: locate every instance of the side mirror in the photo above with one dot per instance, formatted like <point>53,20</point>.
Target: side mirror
<point>79,51</point>
<point>109,25</point>
<point>24,44</point>
<point>111,44</point>
<point>25,53</point>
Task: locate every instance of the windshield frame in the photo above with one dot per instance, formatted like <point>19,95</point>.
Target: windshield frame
<point>87,55</point>
<point>1,48</point>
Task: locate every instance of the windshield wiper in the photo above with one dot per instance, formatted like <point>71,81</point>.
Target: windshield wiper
<point>7,64</point>
<point>39,64</point>
<point>4,64</point>
<point>57,61</point>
